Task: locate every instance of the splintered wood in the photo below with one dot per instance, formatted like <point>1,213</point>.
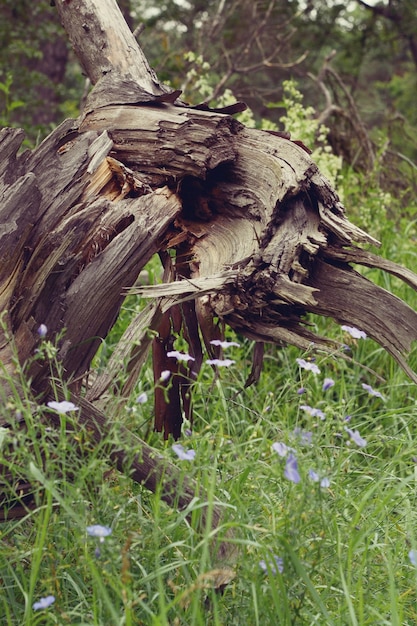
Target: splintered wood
<point>249,232</point>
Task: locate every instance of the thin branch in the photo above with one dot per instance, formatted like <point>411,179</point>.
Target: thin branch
<point>235,65</point>
<point>267,63</point>
<point>352,116</point>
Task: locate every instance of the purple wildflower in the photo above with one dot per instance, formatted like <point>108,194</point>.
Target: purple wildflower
<point>180,356</point>
<point>327,383</point>
<point>291,469</point>
<point>280,448</point>
<point>313,476</point>
<point>220,362</point>
<point>305,436</point>
<point>301,390</point>
<point>62,407</point>
<point>182,453</point>
<point>43,603</point>
<point>142,398</point>
<point>324,482</point>
<point>99,531</point>
<point>312,411</point>
<point>224,344</point>
<point>412,555</point>
<point>372,391</point>
<point>354,332</point>
<point>165,374</point>
<point>356,438</point>
<point>42,330</point>
<point>274,565</point>
<point>308,365</point>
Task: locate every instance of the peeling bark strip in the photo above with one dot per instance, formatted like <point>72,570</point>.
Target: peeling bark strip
<point>256,235</point>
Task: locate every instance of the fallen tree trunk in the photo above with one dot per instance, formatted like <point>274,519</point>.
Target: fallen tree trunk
<point>258,236</point>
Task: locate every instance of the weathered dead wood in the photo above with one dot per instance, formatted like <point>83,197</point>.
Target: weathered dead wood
<point>19,205</point>
<point>88,234</point>
<point>259,236</point>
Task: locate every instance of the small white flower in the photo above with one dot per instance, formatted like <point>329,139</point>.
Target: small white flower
<point>220,362</point>
<point>327,384</point>
<point>180,356</point>
<point>372,391</point>
<point>224,344</point>
<point>308,365</point>
<point>313,411</point>
<point>291,469</point>
<point>280,448</point>
<point>355,436</point>
<point>99,531</point>
<point>42,330</point>
<point>182,453</point>
<point>62,407</point>
<point>313,475</point>
<point>43,603</point>
<point>354,332</point>
<point>274,565</point>
<point>324,482</point>
<point>165,374</point>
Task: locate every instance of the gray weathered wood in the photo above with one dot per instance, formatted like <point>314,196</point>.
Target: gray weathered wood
<point>260,235</point>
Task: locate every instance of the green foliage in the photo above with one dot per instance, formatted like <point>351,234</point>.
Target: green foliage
<point>344,546</point>
<point>199,80</point>
<point>34,51</point>
<point>9,104</point>
<point>398,96</point>
<point>375,209</point>
<point>302,122</point>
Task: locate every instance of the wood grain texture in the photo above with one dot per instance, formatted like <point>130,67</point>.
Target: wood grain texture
<point>245,222</point>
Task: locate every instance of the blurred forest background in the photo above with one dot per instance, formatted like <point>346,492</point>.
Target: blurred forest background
<point>355,64</point>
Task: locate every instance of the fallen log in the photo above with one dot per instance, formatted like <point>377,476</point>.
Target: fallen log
<point>249,231</point>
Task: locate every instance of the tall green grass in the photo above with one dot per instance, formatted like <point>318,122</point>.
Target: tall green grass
<point>344,547</point>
